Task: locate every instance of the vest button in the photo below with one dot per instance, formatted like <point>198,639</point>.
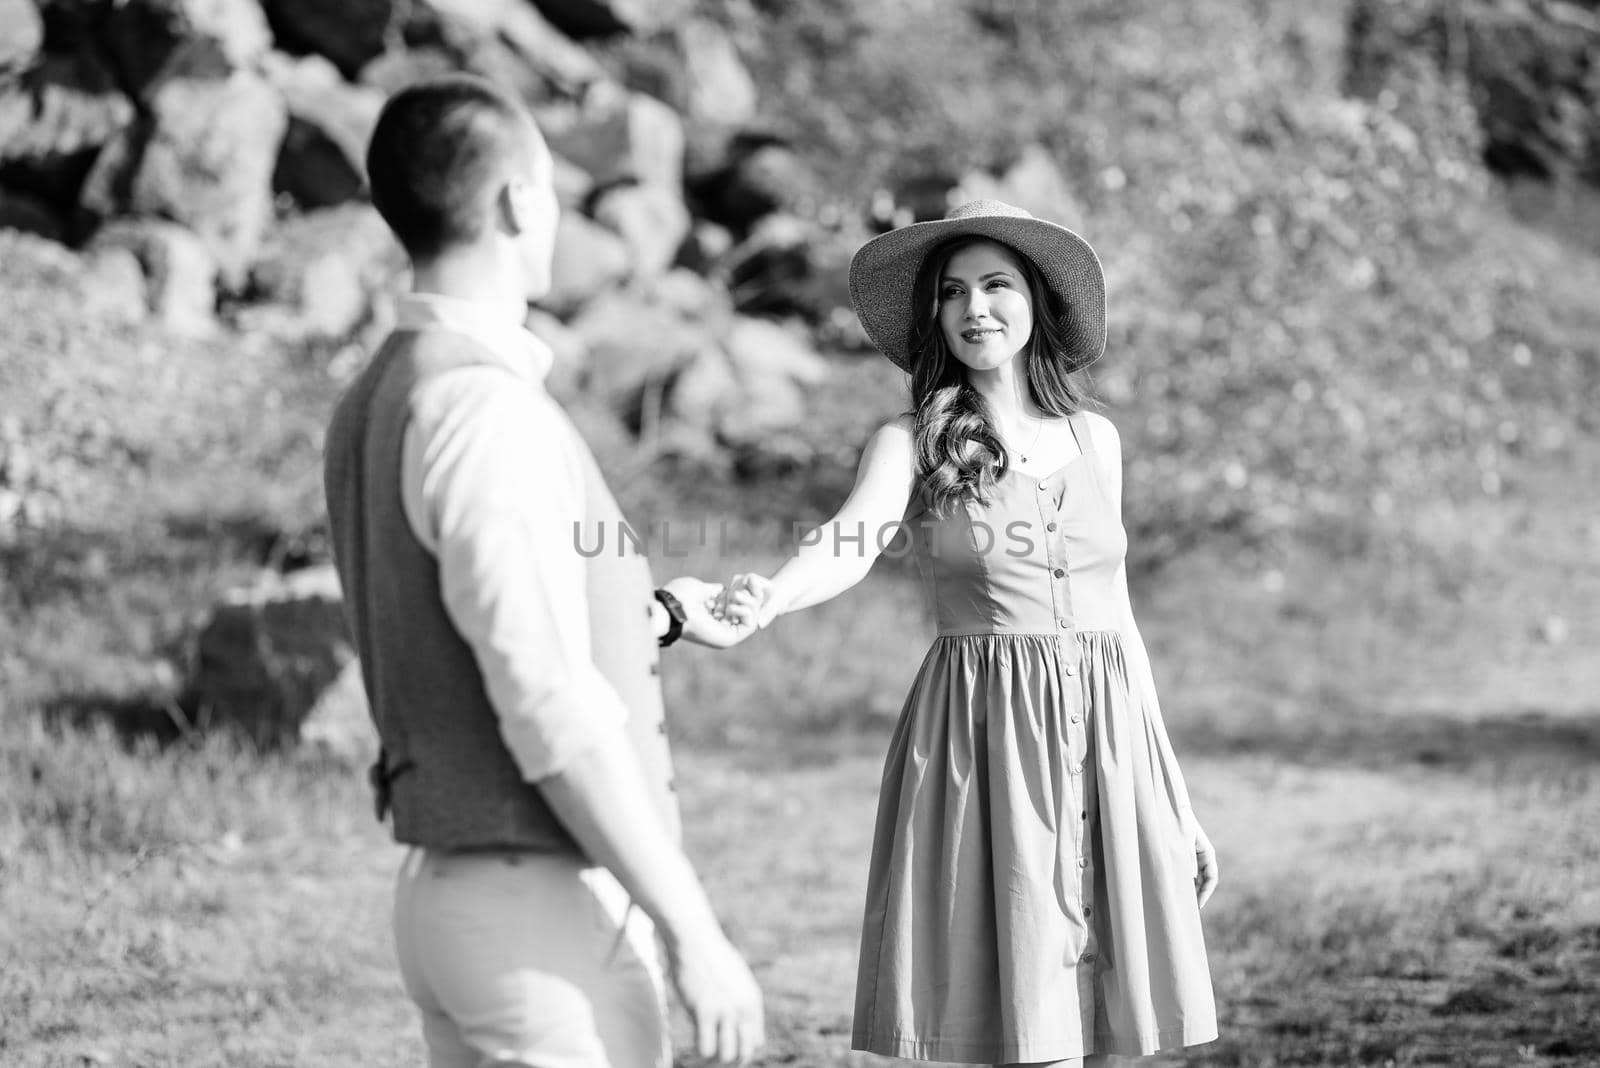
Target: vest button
<point>1060,573</point>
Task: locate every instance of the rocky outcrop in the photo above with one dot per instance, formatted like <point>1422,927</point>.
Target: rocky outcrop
<point>54,122</point>
<point>178,270</point>
<point>206,159</point>
<point>591,18</point>
<point>350,32</point>
<point>24,35</point>
<point>651,220</point>
<point>718,89</point>
<point>590,260</point>
<point>322,160</point>
<point>160,39</point>
<point>618,136</point>
<point>323,268</point>
<point>209,162</point>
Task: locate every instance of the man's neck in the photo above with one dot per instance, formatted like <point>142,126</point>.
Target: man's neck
<point>475,275</point>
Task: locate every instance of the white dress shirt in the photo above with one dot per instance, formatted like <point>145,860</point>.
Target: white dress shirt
<point>492,487</point>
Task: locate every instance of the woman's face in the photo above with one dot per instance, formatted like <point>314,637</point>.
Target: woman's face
<point>985,310</point>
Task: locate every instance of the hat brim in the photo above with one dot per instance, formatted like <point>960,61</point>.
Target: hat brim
<point>883,278</point>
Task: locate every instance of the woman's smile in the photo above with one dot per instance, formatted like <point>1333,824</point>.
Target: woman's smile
<point>985,310</point>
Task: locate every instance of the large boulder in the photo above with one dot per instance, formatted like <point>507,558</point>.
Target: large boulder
<point>618,136</point>
<point>30,214</point>
<point>773,367</point>
<point>209,162</point>
<point>510,42</point>
<point>589,260</point>
<point>399,67</point>
<point>591,18</point>
<point>152,40</point>
<point>718,89</point>
<point>23,36</point>
<point>322,161</point>
<point>179,272</point>
<point>54,123</point>
<point>270,653</point>
<point>323,267</point>
<point>349,32</point>
<point>791,266</point>
<point>753,384</point>
<point>638,340</point>
<point>652,221</point>
<point>760,176</point>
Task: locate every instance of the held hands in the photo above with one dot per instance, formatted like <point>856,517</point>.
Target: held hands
<point>747,602</point>
<point>700,625</point>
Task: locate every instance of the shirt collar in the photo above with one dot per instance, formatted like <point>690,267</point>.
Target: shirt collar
<point>512,343</point>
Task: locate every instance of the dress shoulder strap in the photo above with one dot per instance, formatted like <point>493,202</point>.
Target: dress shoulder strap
<point>1080,432</point>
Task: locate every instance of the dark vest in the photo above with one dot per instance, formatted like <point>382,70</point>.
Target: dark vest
<point>445,773</point>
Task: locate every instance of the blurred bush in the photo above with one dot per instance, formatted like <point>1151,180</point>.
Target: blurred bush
<point>1318,312</point>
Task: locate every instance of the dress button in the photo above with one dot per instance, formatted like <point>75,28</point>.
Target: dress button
<point>1077,718</point>
<point>655,668</point>
<point>1060,572</point>
<point>1044,485</point>
<point>672,785</point>
<point>1072,669</point>
<point>1050,527</point>
<point>661,728</point>
<point>1063,624</point>
<point>1083,862</point>
<point>1087,958</point>
<point>1088,910</point>
<point>1084,814</point>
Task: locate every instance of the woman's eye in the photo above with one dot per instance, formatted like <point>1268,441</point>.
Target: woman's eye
<point>1000,282</point>
<point>950,293</point>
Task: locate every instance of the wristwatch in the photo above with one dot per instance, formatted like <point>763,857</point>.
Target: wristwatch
<point>675,618</point>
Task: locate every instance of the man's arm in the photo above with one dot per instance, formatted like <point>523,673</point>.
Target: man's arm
<point>493,484</point>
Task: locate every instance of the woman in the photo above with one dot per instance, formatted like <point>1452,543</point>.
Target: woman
<point>1037,871</point>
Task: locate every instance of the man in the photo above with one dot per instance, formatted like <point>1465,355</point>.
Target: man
<point>512,679</point>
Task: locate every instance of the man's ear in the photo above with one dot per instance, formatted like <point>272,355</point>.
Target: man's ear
<point>516,206</point>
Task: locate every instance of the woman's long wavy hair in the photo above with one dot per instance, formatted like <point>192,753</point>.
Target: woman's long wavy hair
<point>959,453</point>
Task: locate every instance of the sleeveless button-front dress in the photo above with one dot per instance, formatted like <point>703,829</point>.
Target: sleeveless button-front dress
<point>1031,891</point>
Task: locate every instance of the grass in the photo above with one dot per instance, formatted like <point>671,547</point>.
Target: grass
<point>204,905</point>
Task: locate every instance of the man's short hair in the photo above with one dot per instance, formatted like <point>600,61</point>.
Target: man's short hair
<point>438,148</point>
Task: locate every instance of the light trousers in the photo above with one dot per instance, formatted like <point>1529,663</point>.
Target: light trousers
<point>528,959</point>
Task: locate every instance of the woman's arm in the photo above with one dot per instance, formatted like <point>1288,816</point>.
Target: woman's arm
<point>1140,677</point>
<point>839,554</point>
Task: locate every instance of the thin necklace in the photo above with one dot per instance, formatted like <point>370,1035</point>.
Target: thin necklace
<point>1022,457</point>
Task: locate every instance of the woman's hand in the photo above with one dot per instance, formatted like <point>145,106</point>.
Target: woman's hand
<point>1205,856</point>
<point>746,601</point>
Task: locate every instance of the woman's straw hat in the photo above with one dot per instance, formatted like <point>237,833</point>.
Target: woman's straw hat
<point>883,275</point>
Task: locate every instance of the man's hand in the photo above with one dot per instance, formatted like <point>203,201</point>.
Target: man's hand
<point>700,625</point>
<point>721,995</point>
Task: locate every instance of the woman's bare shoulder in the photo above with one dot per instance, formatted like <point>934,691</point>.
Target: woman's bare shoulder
<point>1103,432</point>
